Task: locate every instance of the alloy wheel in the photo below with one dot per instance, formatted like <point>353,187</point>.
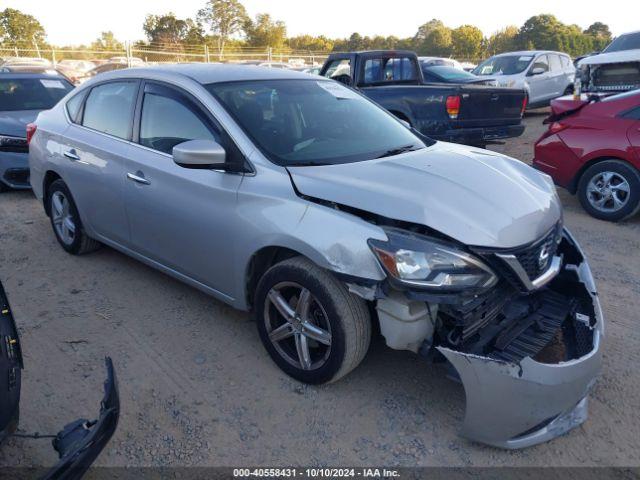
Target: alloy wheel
<point>297,326</point>
<point>608,191</point>
<point>62,218</point>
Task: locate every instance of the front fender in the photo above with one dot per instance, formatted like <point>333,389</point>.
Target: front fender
<point>334,240</point>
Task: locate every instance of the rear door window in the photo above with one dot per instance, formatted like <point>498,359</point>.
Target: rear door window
<point>554,63</point>
<point>109,108</point>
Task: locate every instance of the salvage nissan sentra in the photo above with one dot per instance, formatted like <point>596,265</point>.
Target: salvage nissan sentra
<point>299,199</point>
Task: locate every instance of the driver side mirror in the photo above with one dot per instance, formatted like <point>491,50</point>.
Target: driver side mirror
<point>538,71</point>
<point>204,154</point>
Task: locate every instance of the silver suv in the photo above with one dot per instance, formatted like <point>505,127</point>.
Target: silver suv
<point>543,74</point>
<point>299,199</point>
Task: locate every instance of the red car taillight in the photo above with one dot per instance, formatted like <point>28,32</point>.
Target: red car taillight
<point>31,129</point>
<point>453,106</point>
<point>524,106</point>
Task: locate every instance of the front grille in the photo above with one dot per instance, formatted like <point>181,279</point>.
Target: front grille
<point>531,257</point>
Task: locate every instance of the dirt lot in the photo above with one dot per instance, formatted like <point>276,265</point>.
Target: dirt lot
<point>197,387</point>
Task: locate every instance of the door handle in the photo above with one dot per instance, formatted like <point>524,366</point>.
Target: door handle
<point>138,179</point>
<point>71,154</point>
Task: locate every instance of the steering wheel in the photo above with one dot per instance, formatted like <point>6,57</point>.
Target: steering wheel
<point>343,78</point>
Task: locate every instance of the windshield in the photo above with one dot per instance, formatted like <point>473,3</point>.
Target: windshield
<point>630,41</point>
<point>32,93</point>
<point>448,73</point>
<point>504,65</point>
<point>313,122</point>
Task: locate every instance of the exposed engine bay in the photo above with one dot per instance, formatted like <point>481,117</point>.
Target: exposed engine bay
<point>610,77</point>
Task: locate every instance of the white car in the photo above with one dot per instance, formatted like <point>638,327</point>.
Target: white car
<point>543,74</point>
<point>616,69</point>
<point>448,62</point>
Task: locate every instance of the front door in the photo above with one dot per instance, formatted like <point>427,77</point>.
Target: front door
<point>179,217</point>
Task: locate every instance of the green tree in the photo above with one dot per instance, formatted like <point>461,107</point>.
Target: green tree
<point>433,38</point>
<point>426,29</point>
<point>171,31</point>
<point>107,41</point>
<point>20,30</point>
<point>265,32</point>
<point>224,19</point>
<point>310,43</point>
<point>505,40</point>
<point>600,34</point>
<point>467,41</point>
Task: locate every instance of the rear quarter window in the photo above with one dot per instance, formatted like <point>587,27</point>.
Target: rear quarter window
<point>73,106</point>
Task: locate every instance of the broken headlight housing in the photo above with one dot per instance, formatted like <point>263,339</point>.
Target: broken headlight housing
<point>424,262</point>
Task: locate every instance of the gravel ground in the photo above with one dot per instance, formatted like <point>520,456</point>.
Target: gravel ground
<point>197,387</point>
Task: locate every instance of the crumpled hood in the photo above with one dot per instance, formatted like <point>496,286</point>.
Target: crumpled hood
<point>612,57</point>
<point>475,196</point>
<point>15,123</point>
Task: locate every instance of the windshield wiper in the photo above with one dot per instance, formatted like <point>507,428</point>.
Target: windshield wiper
<point>399,150</point>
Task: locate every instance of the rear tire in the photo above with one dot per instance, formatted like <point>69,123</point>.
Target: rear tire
<point>65,221</point>
<point>610,190</point>
<point>330,308</point>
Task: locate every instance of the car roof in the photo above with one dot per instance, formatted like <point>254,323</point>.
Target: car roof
<point>212,73</point>
<point>529,52</point>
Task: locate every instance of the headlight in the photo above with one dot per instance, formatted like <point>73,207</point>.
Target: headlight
<point>508,83</point>
<point>417,260</point>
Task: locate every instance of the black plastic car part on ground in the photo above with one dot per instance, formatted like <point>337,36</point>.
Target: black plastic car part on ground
<point>470,114</point>
<point>10,369</point>
<point>80,442</point>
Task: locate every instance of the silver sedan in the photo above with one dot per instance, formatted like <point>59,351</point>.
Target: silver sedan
<point>299,199</point>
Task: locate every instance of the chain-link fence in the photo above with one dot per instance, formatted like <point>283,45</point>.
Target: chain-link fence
<point>137,53</point>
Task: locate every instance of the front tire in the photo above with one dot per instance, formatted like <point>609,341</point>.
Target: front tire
<point>610,190</point>
<point>312,327</point>
<point>66,222</point>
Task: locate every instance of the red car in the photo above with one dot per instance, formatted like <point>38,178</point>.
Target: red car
<point>592,148</point>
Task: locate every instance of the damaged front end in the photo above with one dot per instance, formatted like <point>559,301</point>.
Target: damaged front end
<point>527,349</point>
<point>613,77</point>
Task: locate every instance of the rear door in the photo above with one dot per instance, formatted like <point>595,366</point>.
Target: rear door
<point>540,86</point>
<point>179,216</point>
<point>96,149</point>
<point>556,73</point>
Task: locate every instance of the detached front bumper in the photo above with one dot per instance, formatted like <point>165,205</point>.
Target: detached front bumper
<point>516,405</point>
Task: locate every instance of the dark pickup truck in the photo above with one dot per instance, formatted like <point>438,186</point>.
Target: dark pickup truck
<point>465,113</point>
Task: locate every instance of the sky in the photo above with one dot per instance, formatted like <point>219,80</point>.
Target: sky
<point>72,22</point>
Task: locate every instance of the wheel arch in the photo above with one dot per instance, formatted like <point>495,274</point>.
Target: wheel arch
<point>573,186</point>
<point>49,177</point>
